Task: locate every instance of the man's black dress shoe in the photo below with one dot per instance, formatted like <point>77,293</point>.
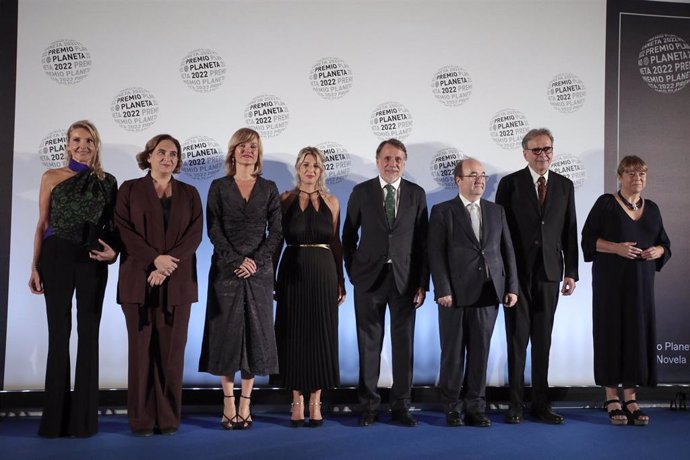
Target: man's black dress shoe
<point>513,417</point>
<point>403,417</point>
<point>368,418</point>
<point>143,433</point>
<point>477,419</point>
<point>169,431</point>
<point>547,415</point>
<point>453,419</point>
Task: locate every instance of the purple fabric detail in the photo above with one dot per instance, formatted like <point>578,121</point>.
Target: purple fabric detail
<point>76,166</point>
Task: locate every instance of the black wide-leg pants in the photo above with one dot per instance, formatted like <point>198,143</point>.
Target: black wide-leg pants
<point>66,269</point>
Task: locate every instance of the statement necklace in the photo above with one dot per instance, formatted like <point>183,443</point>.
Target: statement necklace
<point>309,194</point>
<point>631,206</point>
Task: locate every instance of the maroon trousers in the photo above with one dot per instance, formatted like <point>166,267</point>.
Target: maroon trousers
<point>157,339</point>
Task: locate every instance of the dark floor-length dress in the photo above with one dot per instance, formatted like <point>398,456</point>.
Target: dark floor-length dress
<point>307,295</point>
<point>238,332</point>
<point>623,312</point>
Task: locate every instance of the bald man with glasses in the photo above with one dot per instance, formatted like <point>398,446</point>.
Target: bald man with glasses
<point>473,269</point>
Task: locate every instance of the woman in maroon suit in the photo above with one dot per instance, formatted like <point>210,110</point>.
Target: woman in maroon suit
<point>160,222</point>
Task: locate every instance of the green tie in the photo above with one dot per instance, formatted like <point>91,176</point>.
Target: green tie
<point>389,204</point>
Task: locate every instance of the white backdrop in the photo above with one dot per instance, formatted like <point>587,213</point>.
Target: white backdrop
<point>509,65</point>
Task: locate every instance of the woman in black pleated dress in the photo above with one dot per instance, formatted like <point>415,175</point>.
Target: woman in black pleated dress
<point>310,289</point>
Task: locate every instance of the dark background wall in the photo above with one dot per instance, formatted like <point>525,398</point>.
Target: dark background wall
<point>8,63</point>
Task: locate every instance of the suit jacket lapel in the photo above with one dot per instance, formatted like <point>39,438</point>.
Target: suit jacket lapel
<point>154,204</point>
<point>528,184</point>
<point>463,217</point>
<point>173,219</point>
<point>376,195</point>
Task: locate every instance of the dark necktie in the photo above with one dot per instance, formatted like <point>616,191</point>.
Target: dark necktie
<point>389,204</point>
<point>541,190</point>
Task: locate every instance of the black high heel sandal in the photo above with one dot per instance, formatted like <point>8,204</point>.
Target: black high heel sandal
<point>226,422</point>
<point>295,423</point>
<point>315,422</point>
<point>615,413</point>
<point>635,417</point>
<point>244,423</point>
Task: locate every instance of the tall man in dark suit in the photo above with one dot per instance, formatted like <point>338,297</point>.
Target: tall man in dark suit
<point>384,247</point>
<point>540,206</point>
<point>473,268</point>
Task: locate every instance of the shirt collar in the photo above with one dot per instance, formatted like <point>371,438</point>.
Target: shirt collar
<point>535,175</point>
<point>466,202</point>
<point>396,184</point>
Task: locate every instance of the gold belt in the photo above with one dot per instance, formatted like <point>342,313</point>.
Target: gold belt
<point>324,246</point>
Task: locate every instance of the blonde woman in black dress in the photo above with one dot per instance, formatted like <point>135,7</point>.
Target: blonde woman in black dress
<point>309,289</point>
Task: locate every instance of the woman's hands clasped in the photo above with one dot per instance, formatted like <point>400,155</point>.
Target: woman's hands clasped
<point>165,266</point>
<point>246,269</point>
<point>629,250</point>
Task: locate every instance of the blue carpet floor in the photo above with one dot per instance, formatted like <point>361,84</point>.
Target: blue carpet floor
<point>586,435</point>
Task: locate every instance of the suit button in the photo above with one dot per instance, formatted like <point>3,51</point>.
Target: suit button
<point>536,242</point>
<point>542,222</point>
<point>482,252</point>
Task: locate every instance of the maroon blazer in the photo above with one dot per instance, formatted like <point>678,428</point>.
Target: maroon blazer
<point>139,219</point>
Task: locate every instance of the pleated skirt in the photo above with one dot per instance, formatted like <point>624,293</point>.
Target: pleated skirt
<point>307,320</point>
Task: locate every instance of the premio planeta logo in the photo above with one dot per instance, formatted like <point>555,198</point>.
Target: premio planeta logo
<point>571,167</point>
<point>53,149</point>
<point>508,127</point>
<point>331,78</point>
<point>566,92</point>
<point>202,157</point>
<point>203,70</point>
<point>338,161</point>
<point>66,61</point>
<point>664,63</point>
<point>267,114</point>
<point>451,85</point>
<point>134,109</point>
<point>391,119</point>
<point>443,164</point>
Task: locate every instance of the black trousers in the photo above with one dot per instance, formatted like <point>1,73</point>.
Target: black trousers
<point>157,338</point>
<point>370,315</point>
<point>465,333</point>
<point>65,268</point>
<point>531,320</point>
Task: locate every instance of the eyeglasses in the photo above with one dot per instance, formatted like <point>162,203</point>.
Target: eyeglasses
<point>630,173</point>
<point>475,176</point>
<point>539,150</point>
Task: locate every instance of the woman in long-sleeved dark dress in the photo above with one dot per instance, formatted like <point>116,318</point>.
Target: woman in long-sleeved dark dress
<point>161,223</point>
<point>624,237</point>
<point>73,245</point>
<point>244,225</point>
